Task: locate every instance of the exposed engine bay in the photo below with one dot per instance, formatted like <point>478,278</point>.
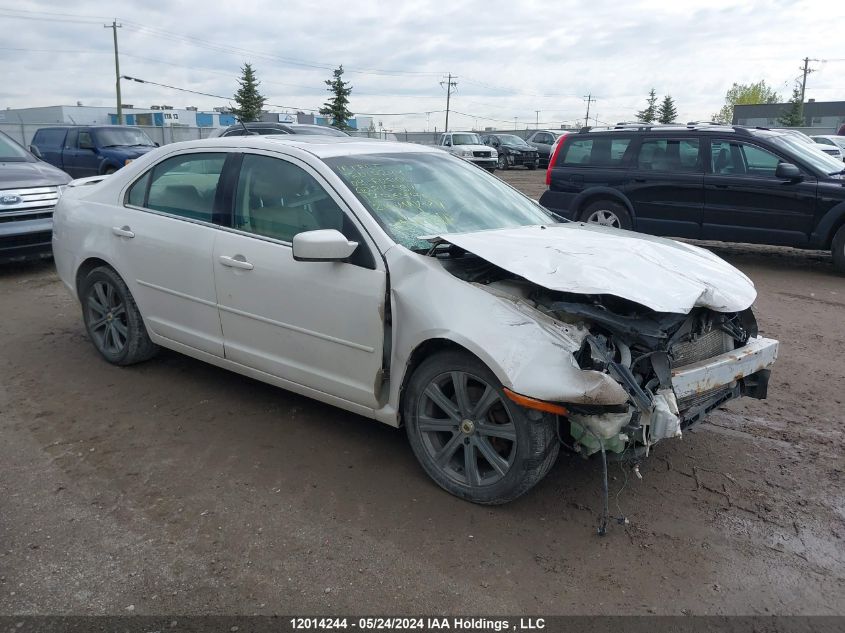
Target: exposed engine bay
<point>638,347</point>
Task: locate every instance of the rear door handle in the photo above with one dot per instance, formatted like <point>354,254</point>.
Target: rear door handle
<point>122,231</point>
<point>237,261</point>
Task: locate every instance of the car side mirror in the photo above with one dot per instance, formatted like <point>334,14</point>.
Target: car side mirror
<point>156,144</point>
<point>788,171</point>
<point>322,245</point>
<point>35,152</point>
<point>447,143</point>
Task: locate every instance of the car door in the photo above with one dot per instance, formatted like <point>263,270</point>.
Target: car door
<point>81,156</point>
<point>50,143</point>
<point>665,186</point>
<point>745,202</point>
<point>164,240</point>
<point>543,142</point>
<point>587,165</point>
<point>315,324</point>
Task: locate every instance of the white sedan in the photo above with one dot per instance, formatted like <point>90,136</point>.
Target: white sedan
<point>832,145</point>
<point>403,284</point>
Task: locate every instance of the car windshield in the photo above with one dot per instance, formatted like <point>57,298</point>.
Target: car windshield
<point>465,139</point>
<point>11,152</point>
<point>122,136</point>
<point>511,139</point>
<point>416,195</point>
<point>810,154</point>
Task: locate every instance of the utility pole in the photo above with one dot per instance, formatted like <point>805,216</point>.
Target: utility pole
<point>114,26</point>
<point>514,123</point>
<point>589,99</point>
<point>537,120</point>
<point>806,70</point>
<point>450,83</point>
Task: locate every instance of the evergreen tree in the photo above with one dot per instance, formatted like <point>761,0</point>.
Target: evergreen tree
<point>650,113</point>
<point>336,107</point>
<point>249,100</point>
<point>667,113</point>
<point>792,115</point>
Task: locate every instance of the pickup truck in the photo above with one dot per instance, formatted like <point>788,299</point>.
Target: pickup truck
<point>467,145</point>
<point>90,151</point>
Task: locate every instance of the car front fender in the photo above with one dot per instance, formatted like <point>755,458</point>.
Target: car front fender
<point>529,356</point>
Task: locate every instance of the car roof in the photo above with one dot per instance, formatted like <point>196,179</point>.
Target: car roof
<point>320,146</point>
<point>709,128</point>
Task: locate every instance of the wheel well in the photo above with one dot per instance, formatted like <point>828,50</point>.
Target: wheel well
<point>839,224</point>
<point>420,353</point>
<point>86,267</point>
<point>595,197</point>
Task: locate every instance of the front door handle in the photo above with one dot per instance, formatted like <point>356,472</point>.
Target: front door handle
<point>237,261</point>
<point>122,231</point>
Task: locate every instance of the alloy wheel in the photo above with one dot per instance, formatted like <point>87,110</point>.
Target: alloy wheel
<point>466,429</point>
<point>107,322</point>
<point>605,218</point>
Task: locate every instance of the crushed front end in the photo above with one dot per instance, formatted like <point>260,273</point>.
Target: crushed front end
<point>675,368</point>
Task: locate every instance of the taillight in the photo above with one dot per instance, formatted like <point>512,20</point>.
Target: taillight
<point>553,159</point>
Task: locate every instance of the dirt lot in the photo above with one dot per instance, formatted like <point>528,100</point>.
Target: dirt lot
<point>176,487</point>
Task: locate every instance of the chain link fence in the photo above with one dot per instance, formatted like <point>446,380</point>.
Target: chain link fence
<point>23,132</point>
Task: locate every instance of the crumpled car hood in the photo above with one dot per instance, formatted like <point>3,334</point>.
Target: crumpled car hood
<point>662,274</point>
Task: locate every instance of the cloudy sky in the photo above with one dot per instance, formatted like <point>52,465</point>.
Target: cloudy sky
<point>511,58</point>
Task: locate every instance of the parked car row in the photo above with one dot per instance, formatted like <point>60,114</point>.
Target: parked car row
<point>29,190</point>
<point>726,183</point>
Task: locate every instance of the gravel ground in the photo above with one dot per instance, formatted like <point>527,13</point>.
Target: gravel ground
<point>177,487</point>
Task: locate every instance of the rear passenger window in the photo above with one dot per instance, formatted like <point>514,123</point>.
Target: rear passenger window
<point>759,162</point>
<point>669,155</point>
<point>597,152</point>
<point>742,159</point>
<point>184,185</point>
<point>50,137</point>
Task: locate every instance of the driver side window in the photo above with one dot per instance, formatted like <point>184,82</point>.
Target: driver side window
<point>278,199</point>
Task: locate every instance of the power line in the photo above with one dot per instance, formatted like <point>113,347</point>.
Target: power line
<point>274,105</point>
<point>203,43</point>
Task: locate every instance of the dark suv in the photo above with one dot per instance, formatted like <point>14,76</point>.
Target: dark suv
<point>708,182</point>
<point>512,150</point>
<point>261,127</point>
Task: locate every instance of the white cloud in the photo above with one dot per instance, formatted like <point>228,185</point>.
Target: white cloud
<point>511,58</point>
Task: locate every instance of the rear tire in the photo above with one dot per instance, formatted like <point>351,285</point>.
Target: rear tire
<point>838,250</point>
<point>484,448</point>
<point>112,319</point>
<point>109,171</point>
<point>607,213</point>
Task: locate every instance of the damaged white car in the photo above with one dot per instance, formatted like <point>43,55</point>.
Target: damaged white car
<point>405,285</point>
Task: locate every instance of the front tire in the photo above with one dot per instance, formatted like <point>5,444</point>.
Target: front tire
<point>469,437</point>
<point>837,249</point>
<point>112,319</point>
<point>607,213</point>
<point>503,162</point>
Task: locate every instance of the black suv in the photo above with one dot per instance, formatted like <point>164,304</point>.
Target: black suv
<point>708,182</point>
<point>512,150</point>
<point>269,127</point>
